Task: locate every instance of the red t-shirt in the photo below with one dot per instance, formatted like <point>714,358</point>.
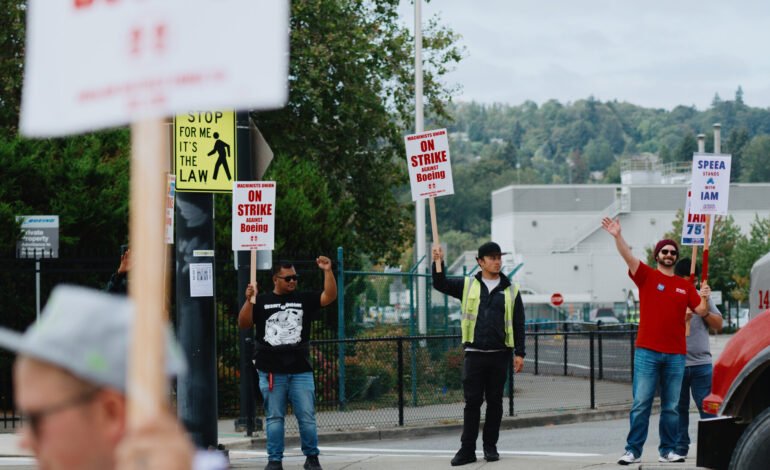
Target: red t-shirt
<point>663,302</point>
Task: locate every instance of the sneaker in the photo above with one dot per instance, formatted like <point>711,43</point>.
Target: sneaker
<point>628,458</point>
<point>274,465</point>
<point>671,457</point>
<point>491,454</point>
<point>311,463</point>
<point>463,456</point>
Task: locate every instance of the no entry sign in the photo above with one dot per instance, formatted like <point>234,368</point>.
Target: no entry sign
<point>430,171</point>
<point>253,215</point>
<point>557,299</point>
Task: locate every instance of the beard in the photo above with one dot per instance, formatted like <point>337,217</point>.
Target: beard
<point>668,262</point>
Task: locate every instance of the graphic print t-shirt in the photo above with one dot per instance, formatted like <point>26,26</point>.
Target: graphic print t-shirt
<point>283,331</point>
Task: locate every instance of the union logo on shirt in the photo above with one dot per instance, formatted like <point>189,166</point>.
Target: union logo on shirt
<point>679,290</point>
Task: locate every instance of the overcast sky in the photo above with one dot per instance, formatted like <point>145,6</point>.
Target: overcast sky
<point>654,53</point>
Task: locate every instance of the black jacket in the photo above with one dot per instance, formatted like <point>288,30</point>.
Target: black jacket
<point>490,322</point>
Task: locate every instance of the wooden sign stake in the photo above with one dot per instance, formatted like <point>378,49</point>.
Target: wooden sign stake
<point>434,228</point>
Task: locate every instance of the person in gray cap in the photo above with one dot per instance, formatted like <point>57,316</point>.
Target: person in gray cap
<point>70,385</point>
<point>492,328</point>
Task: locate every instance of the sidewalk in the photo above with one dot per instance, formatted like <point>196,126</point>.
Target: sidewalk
<point>571,393</point>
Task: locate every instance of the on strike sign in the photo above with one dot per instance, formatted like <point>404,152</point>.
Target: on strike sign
<point>710,184</point>
<point>253,215</point>
<point>99,63</point>
<point>430,171</point>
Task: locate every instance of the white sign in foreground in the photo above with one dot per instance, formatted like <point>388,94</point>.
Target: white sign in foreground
<point>710,184</point>
<point>694,225</point>
<point>253,215</point>
<point>430,170</point>
<point>92,64</point>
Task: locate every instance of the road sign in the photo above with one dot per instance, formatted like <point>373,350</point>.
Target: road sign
<point>40,236</point>
<point>253,215</point>
<point>710,183</point>
<point>205,151</point>
<point>92,64</point>
<point>430,170</point>
<point>557,299</point>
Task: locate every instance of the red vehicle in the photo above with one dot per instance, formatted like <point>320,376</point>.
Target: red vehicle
<point>739,438</point>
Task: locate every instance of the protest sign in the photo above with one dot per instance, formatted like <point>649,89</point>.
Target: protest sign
<point>253,215</point>
<point>694,225</point>
<point>92,64</point>
<point>430,171</point>
<point>710,184</point>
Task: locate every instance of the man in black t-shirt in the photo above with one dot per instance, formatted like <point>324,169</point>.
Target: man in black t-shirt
<point>283,318</point>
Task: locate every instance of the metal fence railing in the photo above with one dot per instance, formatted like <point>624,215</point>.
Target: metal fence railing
<point>385,371</point>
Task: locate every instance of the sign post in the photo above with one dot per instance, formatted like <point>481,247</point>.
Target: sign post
<point>40,239</point>
<point>430,171</point>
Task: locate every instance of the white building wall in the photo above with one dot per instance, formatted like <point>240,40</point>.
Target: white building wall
<point>593,266</point>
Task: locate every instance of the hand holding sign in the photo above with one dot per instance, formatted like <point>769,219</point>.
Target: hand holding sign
<point>430,171</point>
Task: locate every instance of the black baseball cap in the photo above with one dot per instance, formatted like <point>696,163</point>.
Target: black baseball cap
<point>489,248</point>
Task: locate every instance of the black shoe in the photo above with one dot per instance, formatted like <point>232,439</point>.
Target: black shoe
<point>463,456</point>
<point>490,454</point>
<point>311,463</point>
<point>274,465</point>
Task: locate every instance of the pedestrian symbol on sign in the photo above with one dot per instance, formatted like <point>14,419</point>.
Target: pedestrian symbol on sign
<point>223,149</point>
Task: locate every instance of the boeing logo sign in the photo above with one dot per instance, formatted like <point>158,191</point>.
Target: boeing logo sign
<point>39,236</point>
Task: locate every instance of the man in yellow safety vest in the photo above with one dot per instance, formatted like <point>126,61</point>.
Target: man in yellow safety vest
<point>492,327</point>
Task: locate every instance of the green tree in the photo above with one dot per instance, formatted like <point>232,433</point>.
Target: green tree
<point>726,237</point>
<point>599,154</point>
<point>747,251</point>
<point>756,160</point>
<point>351,97</point>
<point>12,17</point>
<point>736,143</point>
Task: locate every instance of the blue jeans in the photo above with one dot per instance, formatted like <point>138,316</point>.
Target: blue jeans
<point>698,380</point>
<point>299,389</point>
<point>653,369</point>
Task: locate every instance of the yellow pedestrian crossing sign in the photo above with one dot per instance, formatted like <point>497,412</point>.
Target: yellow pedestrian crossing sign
<point>205,151</point>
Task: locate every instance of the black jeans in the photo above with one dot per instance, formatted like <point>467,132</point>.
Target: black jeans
<point>484,376</point>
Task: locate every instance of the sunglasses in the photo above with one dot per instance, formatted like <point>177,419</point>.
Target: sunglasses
<point>35,418</point>
<point>669,252</point>
<point>293,277</point>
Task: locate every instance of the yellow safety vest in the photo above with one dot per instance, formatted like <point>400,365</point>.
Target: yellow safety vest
<point>470,309</point>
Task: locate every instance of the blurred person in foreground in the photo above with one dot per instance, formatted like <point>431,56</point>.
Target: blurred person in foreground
<point>698,367</point>
<point>70,387</point>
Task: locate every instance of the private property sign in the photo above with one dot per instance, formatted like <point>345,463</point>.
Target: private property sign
<point>92,64</point>
<point>253,215</point>
<point>710,184</point>
<point>430,171</point>
<point>39,236</point>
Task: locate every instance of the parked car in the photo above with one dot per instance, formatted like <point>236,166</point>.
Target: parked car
<point>740,319</point>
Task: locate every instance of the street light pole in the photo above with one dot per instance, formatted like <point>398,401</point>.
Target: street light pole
<point>419,209</point>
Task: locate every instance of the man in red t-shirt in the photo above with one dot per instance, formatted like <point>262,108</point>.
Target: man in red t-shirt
<point>661,345</point>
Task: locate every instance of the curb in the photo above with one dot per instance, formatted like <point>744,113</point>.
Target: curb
<point>449,426</point>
